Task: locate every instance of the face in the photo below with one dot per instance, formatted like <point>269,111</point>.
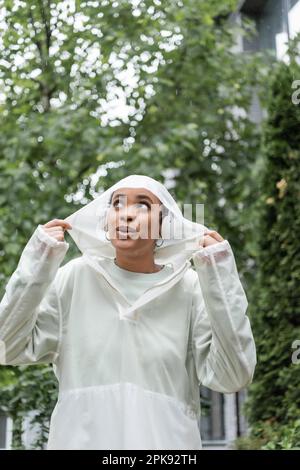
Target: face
<point>134,220</point>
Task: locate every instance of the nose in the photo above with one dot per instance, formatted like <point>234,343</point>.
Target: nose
<point>128,214</point>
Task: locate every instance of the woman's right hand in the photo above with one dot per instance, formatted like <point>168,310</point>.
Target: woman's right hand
<point>55,228</point>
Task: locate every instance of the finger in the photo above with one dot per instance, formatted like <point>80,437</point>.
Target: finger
<point>67,226</point>
<point>215,235</point>
<point>58,222</point>
<point>55,229</point>
<point>63,224</point>
<point>209,241</point>
<point>55,233</point>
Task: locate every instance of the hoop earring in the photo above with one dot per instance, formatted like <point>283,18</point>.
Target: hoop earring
<point>106,232</point>
<point>160,244</point>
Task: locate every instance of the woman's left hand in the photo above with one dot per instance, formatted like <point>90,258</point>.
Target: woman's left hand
<point>210,238</point>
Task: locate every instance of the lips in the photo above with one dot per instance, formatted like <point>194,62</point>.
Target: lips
<point>125,229</point>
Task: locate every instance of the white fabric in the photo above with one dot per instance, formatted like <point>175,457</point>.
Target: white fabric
<point>129,373</point>
<point>133,284</point>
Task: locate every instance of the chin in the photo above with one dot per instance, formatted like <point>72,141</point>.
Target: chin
<point>124,243</point>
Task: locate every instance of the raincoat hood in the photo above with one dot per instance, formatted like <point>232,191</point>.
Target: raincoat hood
<point>180,235</point>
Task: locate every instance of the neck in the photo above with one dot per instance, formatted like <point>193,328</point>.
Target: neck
<point>147,265</point>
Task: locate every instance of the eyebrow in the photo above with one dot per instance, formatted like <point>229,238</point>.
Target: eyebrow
<point>139,196</point>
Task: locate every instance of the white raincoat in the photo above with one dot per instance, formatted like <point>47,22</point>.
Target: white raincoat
<point>129,374</point>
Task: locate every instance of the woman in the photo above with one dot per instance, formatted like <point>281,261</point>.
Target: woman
<point>131,328</point>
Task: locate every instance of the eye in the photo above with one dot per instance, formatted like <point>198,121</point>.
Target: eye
<point>115,203</point>
<point>144,204</point>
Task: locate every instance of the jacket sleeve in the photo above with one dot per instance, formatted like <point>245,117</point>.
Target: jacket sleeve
<point>30,319</point>
<point>222,341</point>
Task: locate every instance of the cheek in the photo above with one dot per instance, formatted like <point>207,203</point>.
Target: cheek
<point>155,225</point>
<point>143,223</point>
<point>150,224</point>
<point>112,218</point>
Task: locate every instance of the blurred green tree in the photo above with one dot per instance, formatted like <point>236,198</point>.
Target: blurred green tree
<point>274,395</point>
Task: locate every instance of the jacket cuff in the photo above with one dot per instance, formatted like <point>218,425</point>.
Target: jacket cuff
<point>220,249</point>
<point>51,241</point>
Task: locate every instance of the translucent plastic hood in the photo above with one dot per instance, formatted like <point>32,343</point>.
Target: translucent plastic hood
<point>181,236</point>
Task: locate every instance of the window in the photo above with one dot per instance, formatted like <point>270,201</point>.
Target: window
<point>276,22</point>
<point>294,18</point>
<point>5,432</point>
<point>212,419</point>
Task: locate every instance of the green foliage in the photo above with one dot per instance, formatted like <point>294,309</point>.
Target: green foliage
<point>275,311</point>
<point>59,146</point>
<point>268,435</point>
<point>33,389</point>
